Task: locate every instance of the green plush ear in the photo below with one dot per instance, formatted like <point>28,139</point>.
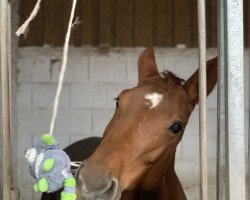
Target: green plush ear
<point>48,139</point>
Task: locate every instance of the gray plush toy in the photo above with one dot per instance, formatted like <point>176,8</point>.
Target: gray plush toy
<point>51,167</point>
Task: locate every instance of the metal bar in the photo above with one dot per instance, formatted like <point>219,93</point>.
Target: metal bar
<point>202,97</point>
<point>248,138</point>
<point>235,100</point>
<point>248,131</point>
<point>5,24</point>
<point>221,107</point>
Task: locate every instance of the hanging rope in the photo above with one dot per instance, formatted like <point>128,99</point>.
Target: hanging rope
<point>33,14</point>
<point>63,69</point>
<point>22,29</point>
<point>71,24</point>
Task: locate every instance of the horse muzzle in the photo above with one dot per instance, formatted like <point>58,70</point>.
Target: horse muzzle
<point>94,183</point>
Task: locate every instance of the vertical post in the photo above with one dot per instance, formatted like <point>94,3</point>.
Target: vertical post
<point>202,97</point>
<point>5,24</point>
<point>235,136</point>
<point>221,107</point>
<point>248,157</point>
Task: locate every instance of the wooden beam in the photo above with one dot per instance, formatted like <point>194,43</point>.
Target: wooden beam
<point>124,23</point>
<point>144,23</point>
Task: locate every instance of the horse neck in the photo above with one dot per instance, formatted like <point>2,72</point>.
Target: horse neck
<point>172,188</point>
<point>169,189</point>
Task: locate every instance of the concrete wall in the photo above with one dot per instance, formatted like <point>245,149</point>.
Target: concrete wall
<point>93,79</point>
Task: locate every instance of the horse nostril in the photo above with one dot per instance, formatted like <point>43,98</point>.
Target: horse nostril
<point>110,192</point>
<point>112,188</point>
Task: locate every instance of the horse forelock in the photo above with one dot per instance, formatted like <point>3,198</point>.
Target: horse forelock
<point>171,78</point>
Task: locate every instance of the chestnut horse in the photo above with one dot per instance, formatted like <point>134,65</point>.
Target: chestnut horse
<point>135,160</point>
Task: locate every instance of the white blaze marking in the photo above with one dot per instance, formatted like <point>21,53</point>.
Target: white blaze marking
<point>155,99</point>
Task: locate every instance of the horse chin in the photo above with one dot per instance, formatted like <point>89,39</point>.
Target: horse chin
<point>85,196</point>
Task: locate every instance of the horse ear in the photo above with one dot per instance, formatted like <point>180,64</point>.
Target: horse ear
<point>192,84</point>
<point>146,65</point>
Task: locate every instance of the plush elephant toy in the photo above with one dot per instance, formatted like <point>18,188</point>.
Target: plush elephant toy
<point>51,167</point>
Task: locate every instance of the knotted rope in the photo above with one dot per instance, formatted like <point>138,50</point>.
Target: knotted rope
<point>33,14</point>
<point>22,29</point>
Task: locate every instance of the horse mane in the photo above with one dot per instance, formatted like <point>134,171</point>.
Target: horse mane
<point>171,78</point>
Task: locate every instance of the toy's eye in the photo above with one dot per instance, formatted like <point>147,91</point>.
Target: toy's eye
<point>27,153</point>
<point>176,128</point>
<point>117,99</point>
<point>30,155</point>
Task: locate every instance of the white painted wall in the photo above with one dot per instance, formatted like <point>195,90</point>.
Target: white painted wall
<point>93,79</point>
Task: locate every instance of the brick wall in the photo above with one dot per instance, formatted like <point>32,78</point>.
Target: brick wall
<point>93,79</point>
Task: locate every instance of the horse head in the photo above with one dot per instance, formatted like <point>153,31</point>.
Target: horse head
<point>139,144</point>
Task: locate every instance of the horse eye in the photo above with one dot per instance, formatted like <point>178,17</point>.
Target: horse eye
<point>117,102</point>
<point>176,128</point>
